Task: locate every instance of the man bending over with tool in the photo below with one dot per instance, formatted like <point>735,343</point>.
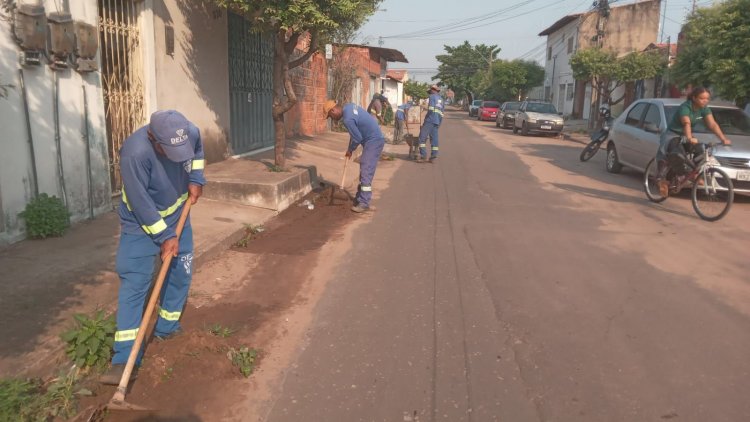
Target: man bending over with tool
<point>162,167</point>
<point>363,130</point>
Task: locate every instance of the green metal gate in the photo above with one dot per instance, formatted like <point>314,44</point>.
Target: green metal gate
<point>250,87</point>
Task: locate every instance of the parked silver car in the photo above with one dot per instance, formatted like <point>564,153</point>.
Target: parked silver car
<point>507,114</point>
<point>635,135</point>
<point>537,116</point>
<point>474,107</point>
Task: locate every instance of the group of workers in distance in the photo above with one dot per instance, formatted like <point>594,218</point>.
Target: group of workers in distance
<point>162,168</point>
<point>364,129</point>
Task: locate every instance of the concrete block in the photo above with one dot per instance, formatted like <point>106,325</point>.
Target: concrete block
<point>249,182</point>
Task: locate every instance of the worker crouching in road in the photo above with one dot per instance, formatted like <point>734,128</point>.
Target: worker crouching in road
<point>363,130</point>
<point>162,167</point>
<point>432,120</point>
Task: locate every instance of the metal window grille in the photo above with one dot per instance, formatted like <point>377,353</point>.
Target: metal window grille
<point>122,76</point>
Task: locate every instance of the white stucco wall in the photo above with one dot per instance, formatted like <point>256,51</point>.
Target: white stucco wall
<point>394,91</point>
<point>557,67</point>
<point>15,158</point>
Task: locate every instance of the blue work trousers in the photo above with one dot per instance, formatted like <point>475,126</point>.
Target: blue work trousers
<point>136,258</point>
<point>368,161</point>
<point>431,130</point>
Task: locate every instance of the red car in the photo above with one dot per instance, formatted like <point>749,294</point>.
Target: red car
<point>488,110</point>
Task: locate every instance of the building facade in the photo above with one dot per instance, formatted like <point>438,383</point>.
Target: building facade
<point>624,29</point>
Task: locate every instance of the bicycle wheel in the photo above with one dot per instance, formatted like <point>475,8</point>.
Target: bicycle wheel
<point>713,198</point>
<point>650,185</point>
<point>590,150</point>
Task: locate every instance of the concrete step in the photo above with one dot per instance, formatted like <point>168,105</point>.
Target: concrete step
<point>250,182</point>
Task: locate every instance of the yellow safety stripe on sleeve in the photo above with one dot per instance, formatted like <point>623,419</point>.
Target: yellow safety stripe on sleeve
<point>126,335</point>
<point>167,212</point>
<point>199,164</point>
<point>175,206</point>
<point>435,148</point>
<point>366,188</point>
<point>169,316</point>
<point>125,199</point>
<point>155,228</point>
<point>422,145</point>
<point>435,110</point>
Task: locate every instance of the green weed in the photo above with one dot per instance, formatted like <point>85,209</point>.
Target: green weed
<point>31,400</point>
<point>89,343</point>
<point>219,331</point>
<point>243,359</point>
<point>45,216</point>
<point>250,232</point>
<point>167,375</point>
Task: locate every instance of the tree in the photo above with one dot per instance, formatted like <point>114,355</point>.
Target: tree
<point>715,51</point>
<point>416,90</point>
<point>607,72</point>
<point>459,68</point>
<point>512,79</point>
<point>288,22</point>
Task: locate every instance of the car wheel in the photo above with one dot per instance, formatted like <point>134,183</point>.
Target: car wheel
<point>613,162</point>
<point>497,124</point>
<point>515,129</point>
<point>524,129</point>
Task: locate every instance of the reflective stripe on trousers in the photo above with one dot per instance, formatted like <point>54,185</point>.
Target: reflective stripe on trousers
<point>136,257</point>
<point>368,162</point>
<point>428,130</point>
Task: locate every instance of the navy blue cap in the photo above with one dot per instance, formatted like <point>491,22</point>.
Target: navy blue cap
<point>172,130</point>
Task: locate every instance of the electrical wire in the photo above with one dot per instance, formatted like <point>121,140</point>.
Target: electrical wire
<point>461,23</point>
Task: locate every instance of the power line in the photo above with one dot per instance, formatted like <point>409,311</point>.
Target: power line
<point>461,23</point>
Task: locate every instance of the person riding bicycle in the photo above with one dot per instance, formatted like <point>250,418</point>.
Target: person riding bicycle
<point>690,113</point>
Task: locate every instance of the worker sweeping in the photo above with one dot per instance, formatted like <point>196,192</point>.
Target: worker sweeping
<point>363,130</point>
<point>162,167</point>
<point>402,123</point>
<point>432,122</point>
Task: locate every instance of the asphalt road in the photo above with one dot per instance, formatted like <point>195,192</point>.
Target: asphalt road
<point>508,281</point>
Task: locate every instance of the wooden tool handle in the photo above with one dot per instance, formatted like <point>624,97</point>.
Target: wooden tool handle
<point>343,174</point>
<point>122,388</point>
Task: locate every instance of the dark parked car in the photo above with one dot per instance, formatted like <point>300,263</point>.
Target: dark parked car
<point>507,114</point>
<point>538,116</point>
<point>474,107</point>
<point>488,110</point>
<point>635,135</point>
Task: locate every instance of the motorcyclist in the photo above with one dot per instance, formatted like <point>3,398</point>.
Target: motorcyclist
<point>690,113</point>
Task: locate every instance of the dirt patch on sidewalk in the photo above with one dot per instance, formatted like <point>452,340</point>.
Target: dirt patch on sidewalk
<point>237,300</point>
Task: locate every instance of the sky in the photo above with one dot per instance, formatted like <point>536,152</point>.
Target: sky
<point>512,25</point>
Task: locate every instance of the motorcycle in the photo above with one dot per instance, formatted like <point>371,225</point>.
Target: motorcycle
<point>598,137</point>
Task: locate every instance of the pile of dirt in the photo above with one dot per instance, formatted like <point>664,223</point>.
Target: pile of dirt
<point>191,374</point>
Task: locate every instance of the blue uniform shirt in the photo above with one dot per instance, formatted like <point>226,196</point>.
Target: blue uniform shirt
<point>153,187</point>
<point>362,126</point>
<point>435,109</point>
<point>401,111</point>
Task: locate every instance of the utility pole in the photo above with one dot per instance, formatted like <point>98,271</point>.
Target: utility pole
<point>602,8</point>
<point>663,18</point>
<point>694,2</point>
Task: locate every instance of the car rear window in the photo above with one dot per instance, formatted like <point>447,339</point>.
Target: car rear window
<point>541,108</point>
<point>477,102</point>
<point>491,104</point>
<point>512,106</point>
<point>732,121</point>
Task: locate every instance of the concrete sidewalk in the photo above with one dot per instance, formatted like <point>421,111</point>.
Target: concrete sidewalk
<point>44,282</point>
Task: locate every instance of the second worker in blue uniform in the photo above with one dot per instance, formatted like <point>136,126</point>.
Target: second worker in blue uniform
<point>363,130</point>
